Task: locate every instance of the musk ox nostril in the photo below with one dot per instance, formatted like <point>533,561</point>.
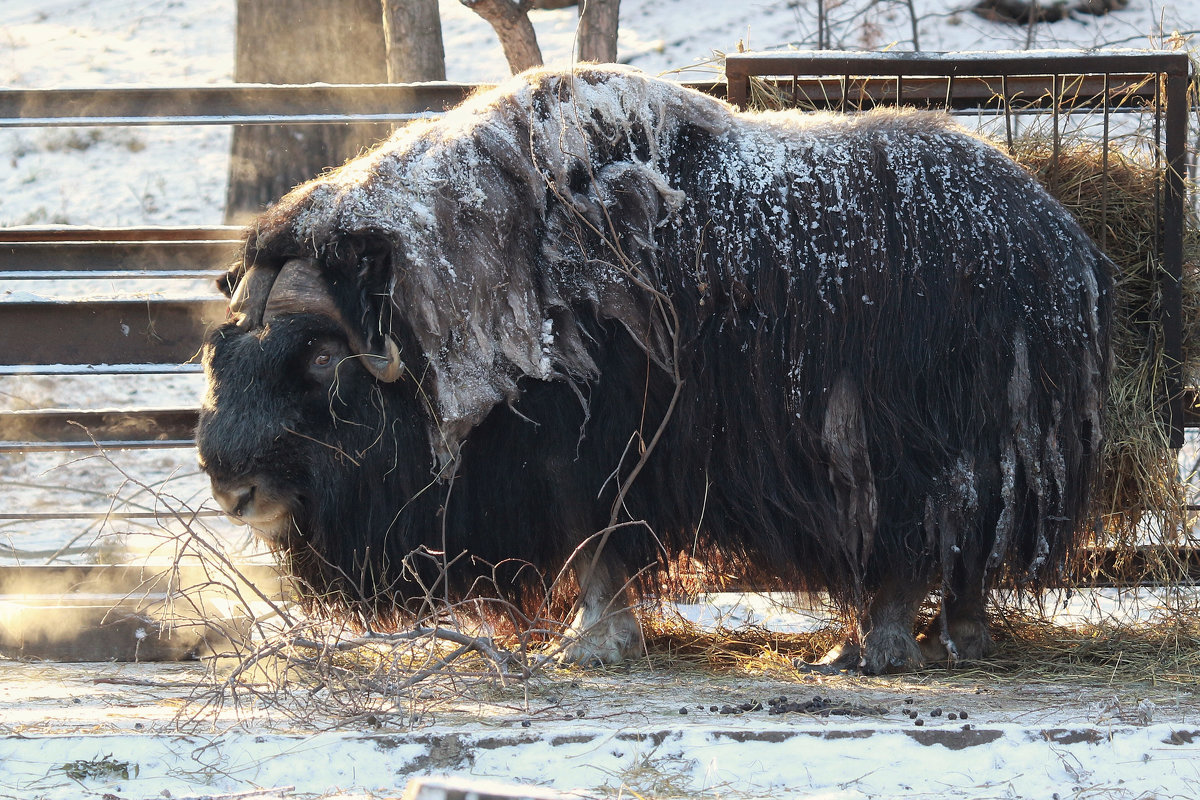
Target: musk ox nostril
<point>235,500</point>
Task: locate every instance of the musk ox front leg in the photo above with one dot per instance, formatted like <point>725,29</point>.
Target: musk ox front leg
<point>882,641</point>
<point>604,630</point>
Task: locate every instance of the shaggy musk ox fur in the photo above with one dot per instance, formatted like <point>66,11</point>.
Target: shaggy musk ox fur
<point>862,353</point>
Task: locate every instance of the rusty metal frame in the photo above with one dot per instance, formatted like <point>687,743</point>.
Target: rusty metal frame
<point>1125,81</point>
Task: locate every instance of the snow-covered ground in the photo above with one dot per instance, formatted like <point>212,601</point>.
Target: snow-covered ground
<point>61,726</point>
<point>109,730</point>
<point>614,736</point>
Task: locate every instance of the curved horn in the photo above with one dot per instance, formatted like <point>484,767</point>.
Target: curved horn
<point>249,300</point>
<point>387,367</point>
<point>300,288</point>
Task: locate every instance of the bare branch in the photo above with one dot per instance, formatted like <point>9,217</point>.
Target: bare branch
<point>510,21</point>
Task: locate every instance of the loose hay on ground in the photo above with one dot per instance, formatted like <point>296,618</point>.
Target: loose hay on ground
<point>1165,650</point>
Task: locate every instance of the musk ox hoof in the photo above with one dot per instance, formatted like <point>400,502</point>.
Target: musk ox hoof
<point>809,668</point>
<point>889,649</point>
<point>846,657</point>
<point>969,640</point>
<point>612,639</point>
<point>882,652</point>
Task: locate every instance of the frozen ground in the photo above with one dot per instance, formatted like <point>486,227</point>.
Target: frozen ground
<point>607,735</point>
<point>112,731</point>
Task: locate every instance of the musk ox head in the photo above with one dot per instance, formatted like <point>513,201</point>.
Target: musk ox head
<point>382,311</point>
<point>307,433</point>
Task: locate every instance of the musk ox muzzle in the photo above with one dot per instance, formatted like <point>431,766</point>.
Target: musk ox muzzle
<point>599,321</point>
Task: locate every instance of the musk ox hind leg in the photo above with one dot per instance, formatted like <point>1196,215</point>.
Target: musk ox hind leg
<point>604,630</point>
<point>960,631</point>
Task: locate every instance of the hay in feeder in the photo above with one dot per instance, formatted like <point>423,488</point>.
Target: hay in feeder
<point>1117,199</point>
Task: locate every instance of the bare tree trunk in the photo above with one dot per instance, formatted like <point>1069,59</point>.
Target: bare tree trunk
<point>413,32</point>
<point>598,30</point>
<point>300,41</point>
<point>510,20</point>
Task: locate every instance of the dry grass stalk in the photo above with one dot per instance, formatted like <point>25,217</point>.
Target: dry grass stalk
<point>301,662</point>
<point>1164,649</point>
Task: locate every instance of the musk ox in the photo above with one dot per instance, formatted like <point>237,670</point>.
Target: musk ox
<point>599,320</point>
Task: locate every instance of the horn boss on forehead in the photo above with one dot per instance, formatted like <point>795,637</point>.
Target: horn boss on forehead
<point>807,347</point>
<point>299,287</point>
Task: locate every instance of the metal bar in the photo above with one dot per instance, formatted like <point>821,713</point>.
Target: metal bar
<point>1190,408</point>
<point>1158,156</point>
<point>86,256</point>
<point>105,513</point>
<point>1056,89</point>
<point>1119,568</point>
<point>719,89</point>
<point>82,233</point>
<point>241,119</point>
<point>235,103</point>
<point>86,446</point>
<point>79,370</point>
<point>970,92</point>
<point>1173,230</point>
<point>1104,177</point>
<point>242,104</point>
<point>58,579</point>
<point>941,64</point>
<point>1099,567</point>
<point>737,82</point>
<point>103,332</point>
<point>165,272</point>
<point>98,369</point>
<point>102,425</point>
<point>1008,131</point>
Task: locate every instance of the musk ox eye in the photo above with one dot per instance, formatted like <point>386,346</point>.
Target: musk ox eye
<point>324,357</point>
